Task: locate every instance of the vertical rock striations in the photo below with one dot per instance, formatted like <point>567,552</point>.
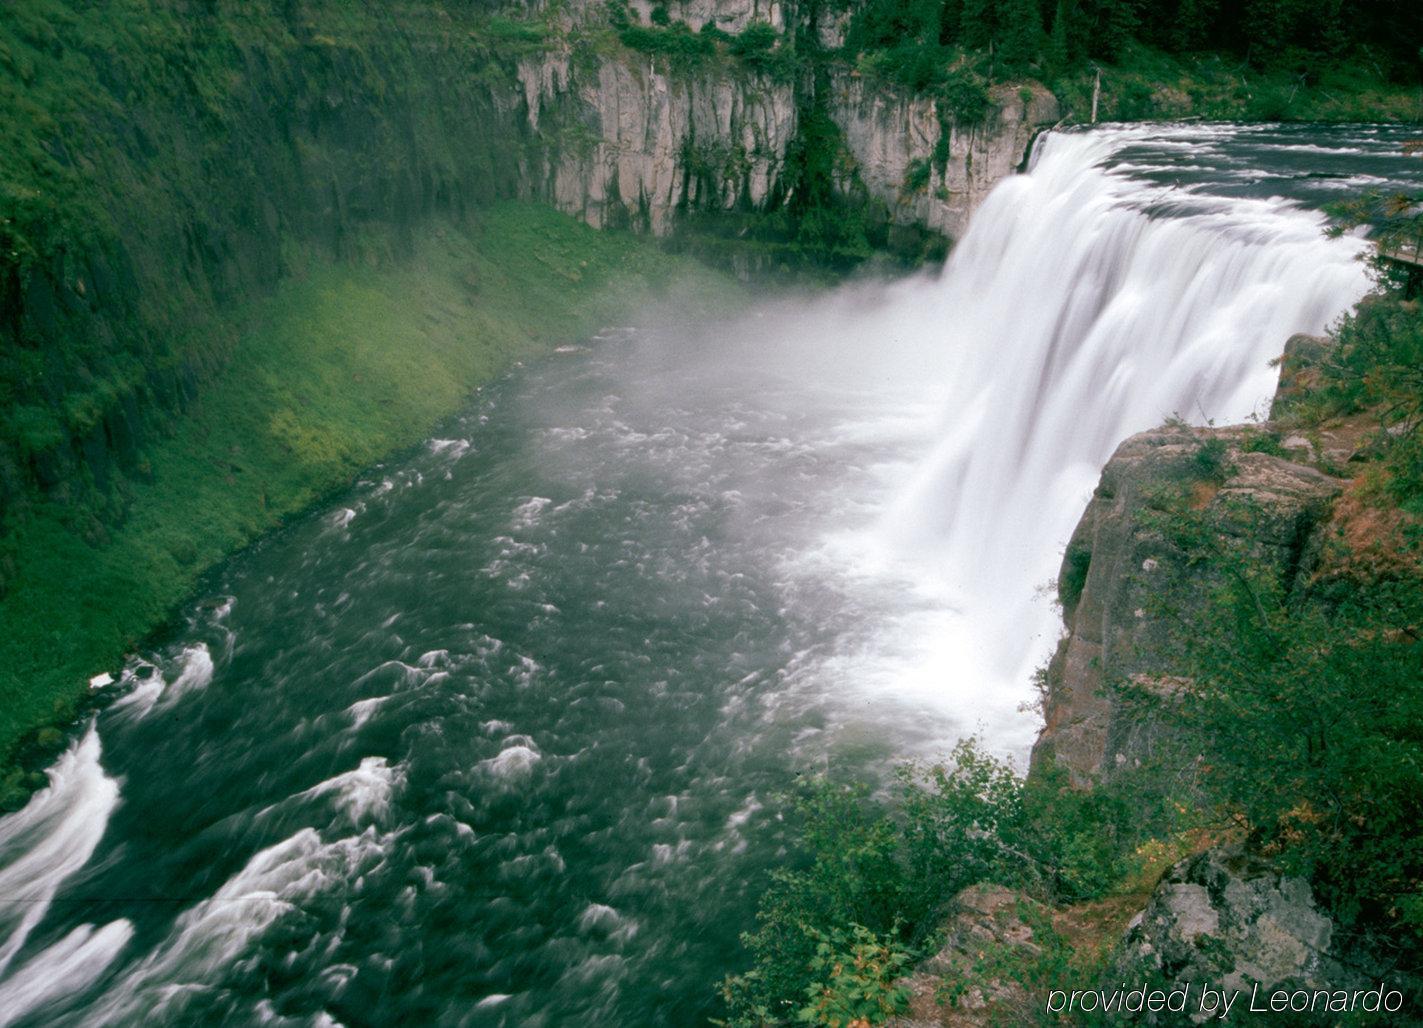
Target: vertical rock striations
<point>1119,566</point>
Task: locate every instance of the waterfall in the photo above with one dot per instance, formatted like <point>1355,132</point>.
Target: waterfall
<point>1085,304</point>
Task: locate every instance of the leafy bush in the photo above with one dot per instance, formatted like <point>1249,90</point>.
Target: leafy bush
<point>756,38</point>
<point>1260,441</point>
<point>1378,364</point>
<point>856,973</point>
<point>1309,714</point>
<point>883,875</point>
<point>916,175</point>
<point>966,95</point>
<point>762,48</point>
<point>1211,459</point>
<point>679,43</point>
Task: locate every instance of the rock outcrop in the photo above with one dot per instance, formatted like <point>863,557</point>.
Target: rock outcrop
<point>629,139</point>
<point>889,133</point>
<point>1234,921</point>
<point>1119,565</point>
<point>630,145</point>
<point>957,987</point>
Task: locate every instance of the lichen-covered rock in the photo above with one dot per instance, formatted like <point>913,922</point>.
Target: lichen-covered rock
<point>1298,368</point>
<point>956,987</point>
<point>1234,921</point>
<point>1119,564</point>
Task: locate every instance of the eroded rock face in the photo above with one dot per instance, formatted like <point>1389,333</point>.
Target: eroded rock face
<point>632,144</point>
<point>1231,920</point>
<point>1119,565</point>
<point>887,132</point>
<point>629,141</point>
<point>728,15</point>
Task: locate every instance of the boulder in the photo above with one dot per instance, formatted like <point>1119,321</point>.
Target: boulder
<point>1229,920</point>
<point>1119,565</point>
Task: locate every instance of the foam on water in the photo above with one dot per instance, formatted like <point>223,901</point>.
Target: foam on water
<point>50,839</point>
<point>210,936</point>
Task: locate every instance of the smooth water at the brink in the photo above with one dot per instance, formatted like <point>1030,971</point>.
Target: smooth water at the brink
<point>495,740</point>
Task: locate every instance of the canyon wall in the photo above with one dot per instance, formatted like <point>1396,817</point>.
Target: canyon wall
<point>143,207</point>
<point>632,142</point>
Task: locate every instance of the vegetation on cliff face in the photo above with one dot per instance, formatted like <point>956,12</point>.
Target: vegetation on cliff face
<point>1306,697</point>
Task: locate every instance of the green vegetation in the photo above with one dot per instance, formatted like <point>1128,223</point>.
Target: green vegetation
<point>1264,59</point>
<point>1305,696</point>
<point>344,364</point>
<point>758,47</point>
<point>874,880</point>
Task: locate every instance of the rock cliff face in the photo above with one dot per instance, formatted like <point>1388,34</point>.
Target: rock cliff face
<point>889,133</point>
<point>630,141</point>
<point>628,145</point>
<point>1118,563</point>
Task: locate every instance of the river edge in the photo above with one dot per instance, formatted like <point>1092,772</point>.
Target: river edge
<point>294,419</point>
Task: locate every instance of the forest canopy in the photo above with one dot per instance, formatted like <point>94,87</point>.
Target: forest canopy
<point>1052,35</point>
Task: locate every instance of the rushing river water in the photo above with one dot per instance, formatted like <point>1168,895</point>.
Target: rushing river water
<point>495,739</point>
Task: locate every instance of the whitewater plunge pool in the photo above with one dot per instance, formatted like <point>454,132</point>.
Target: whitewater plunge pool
<point>496,739</point>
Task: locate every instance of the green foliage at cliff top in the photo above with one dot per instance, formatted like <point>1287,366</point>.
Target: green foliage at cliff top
<point>341,366</point>
<point>1261,59</point>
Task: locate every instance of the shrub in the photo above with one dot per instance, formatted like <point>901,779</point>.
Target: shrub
<point>877,879</point>
<point>966,95</point>
<point>1211,459</point>
<point>762,48</point>
<point>916,175</point>
<point>679,44</point>
<point>1261,441</point>
<point>855,975</point>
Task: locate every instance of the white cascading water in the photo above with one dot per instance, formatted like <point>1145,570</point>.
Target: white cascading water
<point>1083,305</point>
<point>41,847</point>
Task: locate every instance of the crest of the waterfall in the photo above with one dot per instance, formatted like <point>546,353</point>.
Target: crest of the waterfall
<point>1084,305</point>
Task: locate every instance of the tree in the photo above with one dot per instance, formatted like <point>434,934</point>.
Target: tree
<point>976,24</point>
<point>1020,33</point>
<point>1058,52</point>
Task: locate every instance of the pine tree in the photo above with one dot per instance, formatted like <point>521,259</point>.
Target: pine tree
<point>1020,33</point>
<point>1058,53</point>
<point>976,24</point>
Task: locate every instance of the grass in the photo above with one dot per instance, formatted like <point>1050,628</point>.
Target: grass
<point>341,366</point>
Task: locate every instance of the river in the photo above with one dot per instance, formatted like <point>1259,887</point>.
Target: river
<point>496,738</point>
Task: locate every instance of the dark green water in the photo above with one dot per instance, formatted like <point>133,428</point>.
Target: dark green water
<point>493,740</point>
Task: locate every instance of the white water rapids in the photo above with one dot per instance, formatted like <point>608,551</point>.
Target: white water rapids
<point>486,738</point>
